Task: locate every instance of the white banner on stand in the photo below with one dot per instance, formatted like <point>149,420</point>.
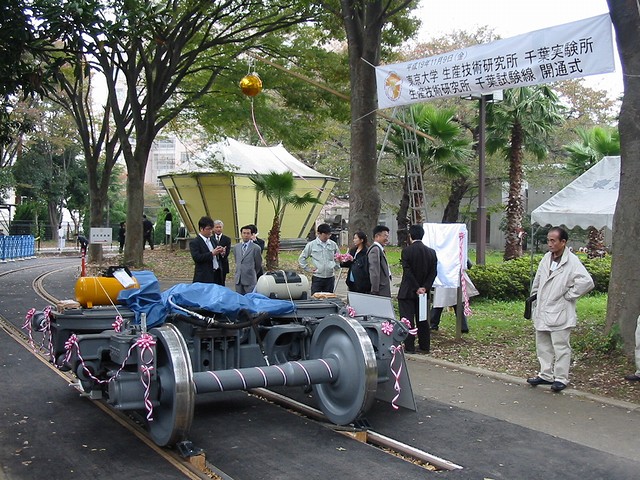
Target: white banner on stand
<point>572,50</point>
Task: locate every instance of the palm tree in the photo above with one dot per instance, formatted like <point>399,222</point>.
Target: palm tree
<point>594,144</point>
<point>446,155</point>
<point>523,121</point>
<point>278,189</point>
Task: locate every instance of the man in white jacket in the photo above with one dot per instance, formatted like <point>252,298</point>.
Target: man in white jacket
<point>560,280</point>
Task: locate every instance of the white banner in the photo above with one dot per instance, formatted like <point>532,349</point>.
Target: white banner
<point>572,50</point>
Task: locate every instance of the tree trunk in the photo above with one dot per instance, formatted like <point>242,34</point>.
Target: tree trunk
<point>136,166</point>
<point>459,187</point>
<point>273,245</point>
<point>515,208</point>
<point>363,39</point>
<point>623,304</point>
<point>96,209</point>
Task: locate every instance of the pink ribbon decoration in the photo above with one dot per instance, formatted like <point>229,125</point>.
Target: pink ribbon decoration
<point>27,326</point>
<point>45,330</point>
<point>145,343</point>
<point>396,374</point>
<point>351,311</point>
<point>387,328</point>
<point>407,323</point>
<point>463,281</point>
<point>118,323</point>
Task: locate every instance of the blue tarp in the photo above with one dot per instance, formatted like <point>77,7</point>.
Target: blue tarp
<point>146,299</point>
<point>219,299</point>
<point>196,296</point>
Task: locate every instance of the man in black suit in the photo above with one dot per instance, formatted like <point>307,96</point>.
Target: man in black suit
<point>259,242</point>
<point>147,232</point>
<point>419,270</point>
<point>205,255</point>
<point>218,239</point>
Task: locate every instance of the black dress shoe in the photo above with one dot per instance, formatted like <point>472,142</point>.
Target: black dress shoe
<point>409,350</point>
<point>633,378</point>
<point>558,386</point>
<point>464,331</point>
<point>422,350</point>
<point>434,328</point>
<point>538,381</point>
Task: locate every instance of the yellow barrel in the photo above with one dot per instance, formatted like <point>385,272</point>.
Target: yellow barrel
<point>92,291</point>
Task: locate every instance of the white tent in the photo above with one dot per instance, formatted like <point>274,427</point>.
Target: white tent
<point>588,201</point>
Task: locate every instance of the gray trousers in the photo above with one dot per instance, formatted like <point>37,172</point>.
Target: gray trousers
<point>554,354</point>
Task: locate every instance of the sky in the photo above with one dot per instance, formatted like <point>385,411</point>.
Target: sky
<point>509,18</point>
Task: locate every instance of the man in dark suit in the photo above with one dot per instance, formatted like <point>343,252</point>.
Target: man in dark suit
<point>379,272</point>
<point>205,255</point>
<point>218,239</point>
<point>419,270</point>
<point>248,262</point>
<point>147,232</point>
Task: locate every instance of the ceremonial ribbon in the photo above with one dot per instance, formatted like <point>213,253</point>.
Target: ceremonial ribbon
<point>463,281</point>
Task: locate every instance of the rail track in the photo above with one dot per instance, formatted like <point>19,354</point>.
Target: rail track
<point>195,464</point>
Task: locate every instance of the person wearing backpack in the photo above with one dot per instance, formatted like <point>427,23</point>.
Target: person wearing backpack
<point>358,274</point>
<point>419,270</point>
<point>379,272</point>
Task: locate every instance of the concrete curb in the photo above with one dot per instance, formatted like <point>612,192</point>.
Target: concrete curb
<point>505,377</point>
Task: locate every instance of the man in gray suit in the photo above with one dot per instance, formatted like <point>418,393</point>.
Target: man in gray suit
<point>248,262</point>
<point>379,272</point>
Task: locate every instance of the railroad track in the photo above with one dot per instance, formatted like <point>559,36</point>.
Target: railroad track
<point>196,466</point>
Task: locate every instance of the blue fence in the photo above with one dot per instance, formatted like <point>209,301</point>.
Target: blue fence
<point>17,247</point>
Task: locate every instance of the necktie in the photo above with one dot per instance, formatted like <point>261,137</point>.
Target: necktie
<point>244,248</point>
<point>215,260</point>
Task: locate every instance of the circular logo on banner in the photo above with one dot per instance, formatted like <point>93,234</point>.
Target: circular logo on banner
<point>393,86</point>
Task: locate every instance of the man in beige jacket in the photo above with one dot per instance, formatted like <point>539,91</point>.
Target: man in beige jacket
<point>560,280</point>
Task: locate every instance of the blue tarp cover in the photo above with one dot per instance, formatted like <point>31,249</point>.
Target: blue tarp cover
<point>194,296</point>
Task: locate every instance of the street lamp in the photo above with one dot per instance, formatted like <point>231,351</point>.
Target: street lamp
<point>481,230</point>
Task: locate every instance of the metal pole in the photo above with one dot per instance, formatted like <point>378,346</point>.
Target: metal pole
<point>481,238</point>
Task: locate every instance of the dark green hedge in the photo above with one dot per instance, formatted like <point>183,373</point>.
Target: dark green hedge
<point>510,280</point>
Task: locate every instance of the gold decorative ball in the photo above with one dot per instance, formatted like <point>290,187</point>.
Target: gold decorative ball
<point>251,85</point>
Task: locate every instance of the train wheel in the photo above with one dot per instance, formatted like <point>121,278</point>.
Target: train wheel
<point>172,418</point>
<point>353,392</point>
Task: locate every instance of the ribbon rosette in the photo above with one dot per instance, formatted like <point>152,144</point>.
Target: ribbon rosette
<point>117,324</point>
<point>351,311</point>
<point>407,323</point>
<point>387,328</point>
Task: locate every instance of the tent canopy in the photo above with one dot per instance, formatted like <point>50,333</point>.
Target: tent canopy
<point>588,201</point>
<point>227,193</point>
<point>239,157</point>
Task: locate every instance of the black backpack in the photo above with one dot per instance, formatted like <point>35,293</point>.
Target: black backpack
<point>360,271</point>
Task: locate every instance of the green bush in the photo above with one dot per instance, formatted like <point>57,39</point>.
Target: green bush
<point>600,270</point>
<point>510,280</point>
<point>505,281</point>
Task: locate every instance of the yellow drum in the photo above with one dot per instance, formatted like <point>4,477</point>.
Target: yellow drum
<point>92,291</point>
